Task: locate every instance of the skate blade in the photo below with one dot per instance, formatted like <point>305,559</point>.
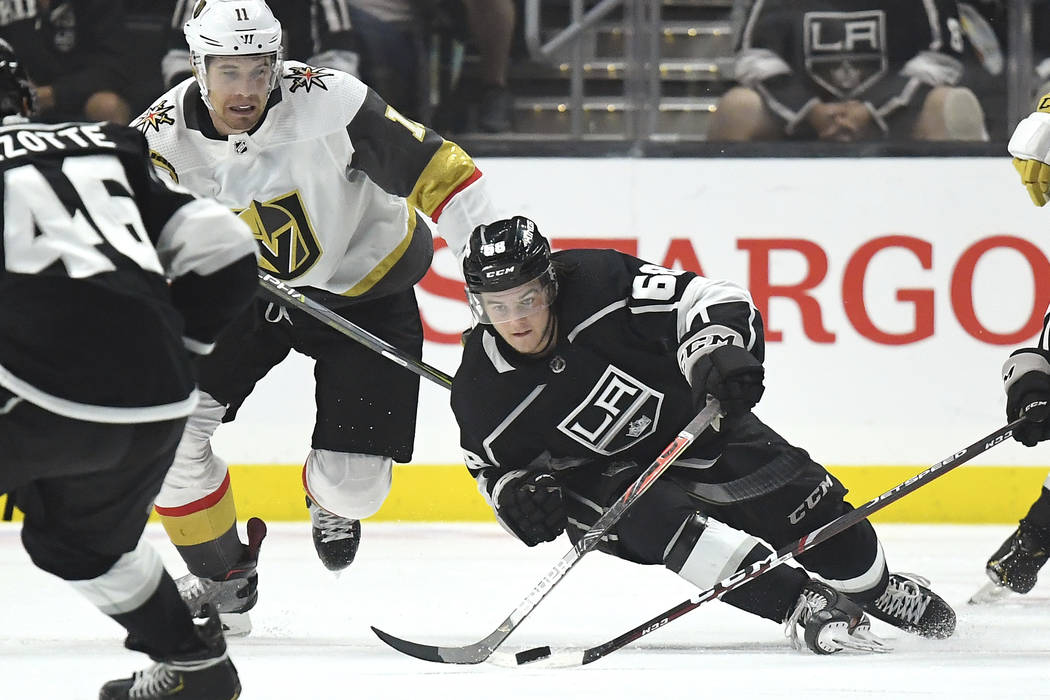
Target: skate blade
<point>837,637</point>
<point>235,625</point>
<point>990,593</point>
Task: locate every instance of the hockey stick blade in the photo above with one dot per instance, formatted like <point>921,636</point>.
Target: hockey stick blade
<point>843,522</point>
<point>482,650</point>
<point>470,654</point>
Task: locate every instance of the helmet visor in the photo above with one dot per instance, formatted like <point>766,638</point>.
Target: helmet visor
<point>514,303</point>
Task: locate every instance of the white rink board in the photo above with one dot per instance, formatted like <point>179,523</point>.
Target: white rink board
<point>851,401</point>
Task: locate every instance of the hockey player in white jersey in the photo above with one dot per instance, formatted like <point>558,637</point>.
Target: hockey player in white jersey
<point>1014,567</point>
<point>335,184</point>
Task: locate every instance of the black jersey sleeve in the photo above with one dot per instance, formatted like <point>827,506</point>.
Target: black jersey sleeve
<point>408,159</point>
<point>927,48</point>
<point>766,56</point>
<point>207,252</point>
<point>492,410</point>
<point>691,315</point>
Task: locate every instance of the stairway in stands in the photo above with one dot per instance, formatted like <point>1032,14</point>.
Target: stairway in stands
<point>696,44</point>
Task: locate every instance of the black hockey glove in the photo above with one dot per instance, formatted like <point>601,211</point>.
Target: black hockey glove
<point>732,375</point>
<point>530,505</point>
<point>1029,396</point>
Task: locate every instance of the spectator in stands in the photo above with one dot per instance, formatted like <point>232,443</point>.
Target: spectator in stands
<point>870,69</point>
<point>391,41</point>
<point>491,24</point>
<point>73,53</point>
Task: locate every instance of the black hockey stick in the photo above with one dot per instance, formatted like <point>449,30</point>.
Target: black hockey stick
<point>290,295</point>
<point>843,522</point>
<point>481,650</point>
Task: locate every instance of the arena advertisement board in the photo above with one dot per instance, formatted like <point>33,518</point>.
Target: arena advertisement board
<point>892,289</point>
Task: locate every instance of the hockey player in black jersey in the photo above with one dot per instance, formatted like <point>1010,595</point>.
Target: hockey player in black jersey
<point>111,281</point>
<point>850,70</point>
<point>586,363</point>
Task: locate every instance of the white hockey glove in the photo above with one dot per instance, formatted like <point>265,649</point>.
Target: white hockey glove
<point>1030,147</point>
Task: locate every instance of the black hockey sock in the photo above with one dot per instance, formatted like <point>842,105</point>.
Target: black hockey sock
<point>162,626</point>
<point>214,558</point>
<point>773,594</point>
<point>1039,513</point>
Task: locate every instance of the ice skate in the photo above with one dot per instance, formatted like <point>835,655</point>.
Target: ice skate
<point>831,622</point>
<point>234,593</point>
<point>1014,568</point>
<point>910,605</point>
<point>335,538</point>
<point>202,674</point>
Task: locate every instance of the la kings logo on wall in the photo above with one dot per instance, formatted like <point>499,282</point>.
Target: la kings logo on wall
<point>845,51</point>
<point>288,245</point>
<point>619,411</point>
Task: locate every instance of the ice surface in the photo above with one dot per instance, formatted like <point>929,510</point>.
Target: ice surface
<point>452,584</point>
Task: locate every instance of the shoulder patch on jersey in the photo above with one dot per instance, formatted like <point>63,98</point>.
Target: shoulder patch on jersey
<point>307,77</point>
<point>155,117</point>
<point>164,164</point>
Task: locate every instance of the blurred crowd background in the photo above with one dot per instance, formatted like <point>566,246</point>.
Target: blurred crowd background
<point>520,74</point>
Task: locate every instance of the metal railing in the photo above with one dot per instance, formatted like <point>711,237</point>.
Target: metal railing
<point>641,24</point>
<point>643,90</point>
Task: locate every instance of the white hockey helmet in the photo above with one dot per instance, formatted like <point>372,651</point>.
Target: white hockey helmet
<point>232,28</point>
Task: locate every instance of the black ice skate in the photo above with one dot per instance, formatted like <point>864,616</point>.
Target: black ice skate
<point>910,605</point>
<point>335,538</point>
<point>831,622</point>
<point>234,593</point>
<point>205,673</point>
<point>1015,565</point>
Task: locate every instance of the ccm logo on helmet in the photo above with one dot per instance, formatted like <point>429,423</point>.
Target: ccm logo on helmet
<point>499,273</point>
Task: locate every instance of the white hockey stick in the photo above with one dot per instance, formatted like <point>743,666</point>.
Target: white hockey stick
<point>479,651</point>
<point>821,534</point>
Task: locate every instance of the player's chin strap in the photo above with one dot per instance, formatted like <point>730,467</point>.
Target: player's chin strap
<point>483,649</point>
<point>821,534</point>
<point>293,297</point>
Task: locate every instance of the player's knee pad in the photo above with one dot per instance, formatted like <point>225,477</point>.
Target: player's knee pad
<point>128,583</point>
<point>349,484</point>
<point>705,551</point>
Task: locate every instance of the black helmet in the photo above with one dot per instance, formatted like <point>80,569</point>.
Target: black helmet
<point>506,254</point>
<point>15,95</point>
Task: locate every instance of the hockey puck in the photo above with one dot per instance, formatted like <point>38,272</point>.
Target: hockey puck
<point>530,655</point>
